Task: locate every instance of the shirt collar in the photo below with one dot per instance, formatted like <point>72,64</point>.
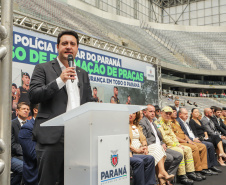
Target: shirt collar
<point>207,118</point>
<point>20,120</point>
<point>184,122</point>
<point>61,64</point>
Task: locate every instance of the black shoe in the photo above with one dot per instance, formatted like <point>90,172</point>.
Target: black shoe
<point>206,172</point>
<point>215,169</point>
<point>213,172</point>
<point>183,179</point>
<point>193,176</point>
<point>198,174</point>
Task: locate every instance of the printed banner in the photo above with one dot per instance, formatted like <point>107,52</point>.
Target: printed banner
<point>114,78</point>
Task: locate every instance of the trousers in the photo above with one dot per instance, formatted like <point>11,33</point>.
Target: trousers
<point>17,169</point>
<point>187,163</point>
<point>144,169</point>
<point>172,162</point>
<point>199,153</point>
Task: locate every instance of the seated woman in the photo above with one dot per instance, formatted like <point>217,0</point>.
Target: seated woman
<point>138,145</point>
<point>199,131</point>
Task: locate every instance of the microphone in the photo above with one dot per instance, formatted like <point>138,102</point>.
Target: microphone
<point>71,63</point>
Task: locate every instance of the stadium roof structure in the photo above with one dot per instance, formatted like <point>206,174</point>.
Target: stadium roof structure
<point>169,3</point>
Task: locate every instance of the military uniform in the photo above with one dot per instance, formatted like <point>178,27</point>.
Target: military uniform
<point>199,150</point>
<point>170,139</point>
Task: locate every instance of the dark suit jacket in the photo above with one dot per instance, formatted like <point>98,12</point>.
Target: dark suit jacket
<point>220,127</point>
<point>184,128</point>
<point>148,132</point>
<point>16,149</point>
<point>30,167</point>
<point>52,100</point>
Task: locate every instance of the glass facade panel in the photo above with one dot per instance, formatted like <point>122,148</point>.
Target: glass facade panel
<point>206,12</point>
<point>208,4</point>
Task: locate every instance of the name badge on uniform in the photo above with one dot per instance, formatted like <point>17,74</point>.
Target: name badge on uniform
<point>159,125</point>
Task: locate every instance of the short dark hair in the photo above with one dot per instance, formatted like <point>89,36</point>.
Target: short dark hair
<point>116,87</point>
<point>19,105</point>
<point>213,107</point>
<point>13,84</point>
<point>157,107</point>
<point>67,32</point>
<point>173,107</point>
<point>217,109</point>
<point>94,88</point>
<point>32,107</point>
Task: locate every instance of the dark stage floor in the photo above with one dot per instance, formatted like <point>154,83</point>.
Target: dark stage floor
<point>215,179</point>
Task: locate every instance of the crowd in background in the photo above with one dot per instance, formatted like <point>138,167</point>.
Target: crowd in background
<point>198,144</point>
<point>164,143</point>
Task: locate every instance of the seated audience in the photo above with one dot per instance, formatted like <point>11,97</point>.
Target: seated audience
<point>143,169</point>
<point>199,150</point>
<point>30,168</point>
<point>200,132</point>
<point>219,125</point>
<point>211,125</point>
<point>22,111</point>
<point>189,102</point>
<point>195,104</point>
<point>186,168</point>
<point>138,145</point>
<point>215,95</point>
<point>154,137</point>
<point>212,161</point>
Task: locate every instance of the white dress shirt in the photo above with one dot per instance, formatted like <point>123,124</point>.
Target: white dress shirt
<point>22,122</point>
<point>72,89</point>
<point>190,133</point>
<point>156,135</point>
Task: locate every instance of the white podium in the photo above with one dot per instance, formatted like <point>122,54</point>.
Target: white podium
<point>96,143</point>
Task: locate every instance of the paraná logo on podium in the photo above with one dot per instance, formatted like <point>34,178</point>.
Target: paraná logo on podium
<point>114,158</point>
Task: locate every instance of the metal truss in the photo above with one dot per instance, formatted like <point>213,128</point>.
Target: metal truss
<point>31,23</point>
<point>170,3</point>
<point>44,27</point>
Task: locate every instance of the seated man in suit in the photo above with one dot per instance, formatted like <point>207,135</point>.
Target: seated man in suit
<point>153,135</point>
<point>216,118</point>
<point>186,168</point>
<point>199,150</point>
<point>22,111</point>
<point>209,125</point>
<point>30,167</point>
<point>143,169</point>
<point>212,161</point>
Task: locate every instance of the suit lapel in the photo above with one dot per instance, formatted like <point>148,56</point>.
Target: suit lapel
<point>80,81</point>
<point>18,124</point>
<point>149,125</point>
<point>57,69</point>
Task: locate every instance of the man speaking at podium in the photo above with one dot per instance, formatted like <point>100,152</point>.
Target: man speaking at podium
<point>58,88</point>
